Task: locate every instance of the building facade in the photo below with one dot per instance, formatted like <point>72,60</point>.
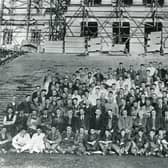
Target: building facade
<point>113,26</point>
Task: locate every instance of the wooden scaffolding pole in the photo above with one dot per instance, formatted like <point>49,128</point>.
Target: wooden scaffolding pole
<point>28,18</point>
<point>1,11</point>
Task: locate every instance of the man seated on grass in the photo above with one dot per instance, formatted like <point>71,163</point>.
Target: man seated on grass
<point>5,140</point>
<point>152,147</point>
<point>122,143</point>
<point>139,143</point>
<point>36,143</point>
<point>52,141</point>
<point>106,142</point>
<point>67,144</point>
<point>92,144</point>
<point>21,140</point>
<point>162,143</point>
<point>80,142</point>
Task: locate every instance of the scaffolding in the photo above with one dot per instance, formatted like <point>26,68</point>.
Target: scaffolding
<point>57,24</point>
<point>119,11</point>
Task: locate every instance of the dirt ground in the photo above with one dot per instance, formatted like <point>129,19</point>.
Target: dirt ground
<point>69,161</point>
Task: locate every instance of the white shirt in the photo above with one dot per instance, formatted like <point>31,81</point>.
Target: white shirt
<point>152,70</point>
<point>21,139</point>
<point>109,82</point>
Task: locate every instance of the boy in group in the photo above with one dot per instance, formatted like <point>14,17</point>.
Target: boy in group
<point>21,140</point>
<point>105,142</point>
<point>45,120</point>
<point>67,144</point>
<point>122,143</point>
<point>33,122</point>
<point>37,143</point>
<point>5,140</point>
<point>52,141</point>
<point>92,144</point>
<point>80,142</point>
<point>139,143</point>
<point>162,143</point>
<point>152,146</point>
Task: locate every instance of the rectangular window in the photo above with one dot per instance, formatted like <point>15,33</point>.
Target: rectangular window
<point>89,29</point>
<point>35,36</point>
<point>93,2</point>
<point>7,36</point>
<point>153,2</point>
<point>127,2</point>
<point>121,33</point>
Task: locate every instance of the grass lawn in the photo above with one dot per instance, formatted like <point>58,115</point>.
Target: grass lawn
<point>69,161</point>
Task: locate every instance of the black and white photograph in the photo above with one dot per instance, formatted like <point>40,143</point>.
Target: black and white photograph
<point>83,83</point>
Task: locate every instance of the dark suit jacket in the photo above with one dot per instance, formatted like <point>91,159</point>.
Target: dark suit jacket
<point>114,123</point>
<point>98,123</point>
<point>120,72</point>
<point>72,123</point>
<point>25,106</point>
<point>83,123</point>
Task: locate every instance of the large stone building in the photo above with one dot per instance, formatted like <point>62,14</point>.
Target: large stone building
<point>112,26</point>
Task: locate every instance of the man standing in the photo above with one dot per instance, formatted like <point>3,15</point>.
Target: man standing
<point>125,122</point>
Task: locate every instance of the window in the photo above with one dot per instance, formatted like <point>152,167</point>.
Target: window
<point>7,36</point>
<point>121,32</point>
<point>151,27</point>
<point>124,2</point>
<point>97,2</point>
<point>94,2</point>
<point>35,36</point>
<point>89,29</point>
<point>151,2</point>
<point>127,2</point>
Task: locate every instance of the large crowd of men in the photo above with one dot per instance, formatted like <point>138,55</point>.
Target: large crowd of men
<point>121,111</point>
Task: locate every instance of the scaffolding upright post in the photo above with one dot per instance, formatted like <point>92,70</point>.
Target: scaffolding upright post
<point>50,22</point>
<point>84,23</point>
<point>1,11</point>
<point>28,18</point>
<point>119,14</point>
<point>1,18</point>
